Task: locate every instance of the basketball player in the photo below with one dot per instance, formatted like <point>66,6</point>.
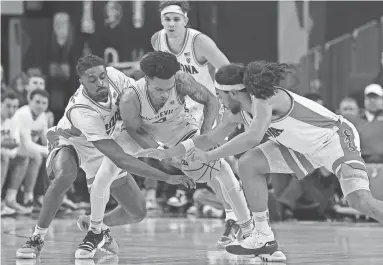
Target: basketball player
<point>199,56</point>
<point>88,132</point>
<point>303,136</point>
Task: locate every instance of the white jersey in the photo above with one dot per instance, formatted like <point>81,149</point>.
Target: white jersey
<point>170,123</point>
<point>190,65</point>
<point>306,128</point>
<point>38,125</point>
<point>10,131</point>
<point>86,120</point>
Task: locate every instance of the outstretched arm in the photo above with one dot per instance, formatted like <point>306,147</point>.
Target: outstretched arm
<point>188,86</point>
<point>251,137</point>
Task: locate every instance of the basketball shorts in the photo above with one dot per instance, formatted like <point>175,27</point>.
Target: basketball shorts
<point>342,148</point>
<point>89,157</point>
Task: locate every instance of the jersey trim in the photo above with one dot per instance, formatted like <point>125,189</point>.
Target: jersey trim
<point>139,98</point>
<point>183,47</point>
<point>193,52</point>
<point>291,108</point>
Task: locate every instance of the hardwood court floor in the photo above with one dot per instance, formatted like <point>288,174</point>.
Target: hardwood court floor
<point>176,241</point>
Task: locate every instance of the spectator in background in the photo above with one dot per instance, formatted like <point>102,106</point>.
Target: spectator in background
<point>34,127</point>
<point>4,86</point>
<point>18,85</point>
<point>10,139</point>
<point>373,102</point>
<point>349,107</point>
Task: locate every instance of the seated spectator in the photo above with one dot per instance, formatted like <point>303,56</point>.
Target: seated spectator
<point>18,85</point>
<point>10,139</point>
<point>34,126</point>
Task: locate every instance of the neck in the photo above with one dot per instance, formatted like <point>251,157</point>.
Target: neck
<point>246,103</point>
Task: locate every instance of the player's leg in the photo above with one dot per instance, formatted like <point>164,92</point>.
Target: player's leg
<point>62,166</point>
<point>32,174</point>
<point>4,169</point>
<point>343,154</point>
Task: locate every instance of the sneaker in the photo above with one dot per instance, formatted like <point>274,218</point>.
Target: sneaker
<point>151,204</point>
<point>31,248</point>
<point>110,245</point>
<point>18,208</point>
<point>193,210</point>
<point>256,244</point>
<point>231,233</point>
<point>89,245</point>
<point>6,211</point>
<point>211,212</point>
<point>277,256</point>
<point>178,200</point>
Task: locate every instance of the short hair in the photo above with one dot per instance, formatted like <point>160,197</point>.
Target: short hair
<point>313,96</point>
<point>183,4</point>
<point>230,74</point>
<point>87,62</point>
<point>9,94</point>
<point>160,64</point>
<point>261,77</point>
<point>39,92</point>
<point>36,75</point>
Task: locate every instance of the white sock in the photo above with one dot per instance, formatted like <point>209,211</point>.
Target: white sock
<point>11,195</point>
<point>40,231</point>
<point>246,227</point>
<point>230,215</point>
<point>28,196</point>
<point>261,221</point>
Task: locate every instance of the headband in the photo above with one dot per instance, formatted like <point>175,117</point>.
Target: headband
<point>229,87</point>
<point>173,9</point>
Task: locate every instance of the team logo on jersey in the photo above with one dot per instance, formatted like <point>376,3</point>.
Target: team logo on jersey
<point>187,56</point>
<point>190,69</point>
<point>349,140</point>
<point>273,132</point>
<point>172,102</point>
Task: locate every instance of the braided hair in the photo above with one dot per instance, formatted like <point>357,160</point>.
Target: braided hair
<point>261,77</point>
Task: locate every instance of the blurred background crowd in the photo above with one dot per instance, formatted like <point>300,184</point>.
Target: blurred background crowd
<point>335,48</point>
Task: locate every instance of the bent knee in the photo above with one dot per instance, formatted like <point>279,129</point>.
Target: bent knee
<point>255,161</point>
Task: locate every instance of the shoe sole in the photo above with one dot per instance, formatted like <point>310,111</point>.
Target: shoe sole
<point>20,255</point>
<point>239,250</point>
<point>277,256</point>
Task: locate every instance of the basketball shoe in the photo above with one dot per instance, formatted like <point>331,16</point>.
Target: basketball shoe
<point>110,245</point>
<point>31,248</point>
<point>263,246</point>
<point>231,233</point>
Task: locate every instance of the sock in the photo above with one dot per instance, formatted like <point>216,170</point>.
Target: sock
<point>151,194</point>
<point>95,226</point>
<point>11,195</point>
<point>28,196</point>
<point>261,221</point>
<point>40,231</point>
<point>230,215</point>
<point>246,227</point>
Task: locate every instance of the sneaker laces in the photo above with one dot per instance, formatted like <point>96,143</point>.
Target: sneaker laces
<point>90,242</point>
<point>34,242</point>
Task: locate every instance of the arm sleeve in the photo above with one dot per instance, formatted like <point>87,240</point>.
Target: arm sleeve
<point>90,123</point>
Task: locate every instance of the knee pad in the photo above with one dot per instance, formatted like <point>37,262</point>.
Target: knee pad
<point>351,180</point>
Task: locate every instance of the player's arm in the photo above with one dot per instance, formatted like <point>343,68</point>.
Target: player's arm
<point>91,125</point>
<point>208,49</point>
<point>251,137</point>
<point>25,123</point>
<point>188,86</point>
<point>154,39</point>
<point>130,113</point>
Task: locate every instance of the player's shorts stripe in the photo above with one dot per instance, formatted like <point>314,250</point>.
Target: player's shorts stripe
<point>187,136</point>
<point>291,162</point>
<point>305,162</point>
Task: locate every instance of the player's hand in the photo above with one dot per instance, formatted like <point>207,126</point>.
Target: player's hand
<point>153,153</point>
<point>182,179</point>
<point>197,155</point>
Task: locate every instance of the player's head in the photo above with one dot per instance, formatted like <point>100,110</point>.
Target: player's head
<point>261,78</point>
<point>93,76</point>
<point>9,104</point>
<point>35,82</point>
<point>160,69</point>
<point>38,101</point>
<point>174,16</point>
<point>229,85</point>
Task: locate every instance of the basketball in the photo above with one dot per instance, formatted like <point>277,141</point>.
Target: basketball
<point>201,172</point>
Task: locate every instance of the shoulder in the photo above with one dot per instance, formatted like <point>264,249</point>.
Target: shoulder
<point>131,98</point>
<point>202,42</point>
<point>154,39</point>
<point>23,113</point>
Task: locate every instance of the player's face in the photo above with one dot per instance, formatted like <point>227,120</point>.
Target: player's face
<point>229,101</point>
<point>174,24</point>
<point>36,82</point>
<point>8,107</point>
<point>38,104</point>
<point>160,89</point>
<point>95,80</point>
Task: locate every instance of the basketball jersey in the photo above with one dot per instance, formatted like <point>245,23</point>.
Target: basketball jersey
<point>306,128</point>
<point>170,123</point>
<point>10,130</point>
<point>38,125</point>
<point>108,112</point>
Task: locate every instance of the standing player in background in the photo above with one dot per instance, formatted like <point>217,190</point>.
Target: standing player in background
<point>83,137</point>
<point>199,56</point>
<point>10,139</point>
<point>34,124</point>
